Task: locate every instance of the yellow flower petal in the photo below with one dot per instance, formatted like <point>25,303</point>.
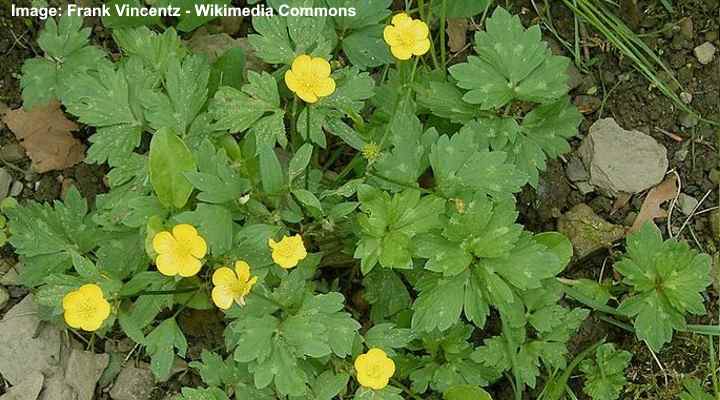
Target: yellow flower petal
<point>222,296</point>
<point>91,291</point>
<point>164,242</point>
<point>374,369</point>
<point>401,52</point>
<point>86,308</point>
<point>167,264</point>
<point>421,47</point>
<point>189,266</point>
<point>392,36</point>
<point>400,18</point>
<point>224,276</point>
<point>184,232</point>
<point>320,67</point>
<point>419,30</point>
<point>307,95</point>
<point>325,87</point>
<point>242,269</point>
<point>303,65</point>
<point>292,81</point>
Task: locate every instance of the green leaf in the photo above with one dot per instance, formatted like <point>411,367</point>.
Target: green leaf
<point>512,63</point>
<point>366,48</point>
<point>169,160</point>
<point>186,86</point>
<point>444,99</point>
<point>254,337</point>
<point>237,111</point>
<point>558,244</point>
<point>388,224</point>
<point>45,237</point>
<point>461,8</point>
<point>271,173</point>
<point>367,13</point>
<point>386,292</point>
<point>190,18</point>
<point>667,280</point>
<point>299,161</point>
<point>605,374</point>
<point>388,338</point>
<point>328,385</point>
<point>161,343</point>
<point>155,50</point>
<point>387,393</point>
<point>228,70</point>
<point>211,393</point>
<point>461,165</point>
<point>440,302</point>
<point>67,36</point>
<point>215,223</point>
<point>217,180</point>
<point>308,199</point>
<point>694,391</point>
<point>466,392</point>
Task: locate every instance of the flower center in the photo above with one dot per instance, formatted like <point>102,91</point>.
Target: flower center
<point>86,308</point>
<point>406,36</point>
<point>375,371</point>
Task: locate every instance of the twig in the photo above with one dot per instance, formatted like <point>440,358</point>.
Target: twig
<point>692,213</point>
<point>657,360</point>
<point>672,203</point>
<point>671,135</point>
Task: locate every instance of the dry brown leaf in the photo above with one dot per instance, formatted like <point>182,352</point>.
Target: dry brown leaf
<point>650,209</point>
<point>457,33</point>
<point>44,132</point>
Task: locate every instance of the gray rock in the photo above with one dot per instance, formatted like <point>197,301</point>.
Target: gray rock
<point>10,278</point>
<point>83,371</point>
<point>12,152</point>
<point>686,28</point>
<point>133,383</point>
<point>5,181</point>
<point>686,97</point>
<point>28,389</point>
<point>575,78</point>
<point>587,231</point>
<point>687,203</point>
<point>620,160</point>
<point>688,120</point>
<point>575,170</point>
<point>39,347</point>
<point>16,188</point>
<point>585,187</point>
<point>4,297</point>
<point>56,388</point>
<point>705,53</point>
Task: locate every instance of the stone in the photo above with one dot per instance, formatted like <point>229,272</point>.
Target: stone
<point>575,170</point>
<point>28,389</point>
<point>39,347</point>
<point>16,188</point>
<point>10,278</point>
<point>686,28</point>
<point>587,231</point>
<point>5,181</point>
<point>83,371</point>
<point>619,160</point>
<point>585,187</point>
<point>12,152</point>
<point>133,383</point>
<point>705,53</point>
<point>4,297</point>
<point>575,78</point>
<point>687,203</point>
<point>686,97</point>
<point>688,120</point>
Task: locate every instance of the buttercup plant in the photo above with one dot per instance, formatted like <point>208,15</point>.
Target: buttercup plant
<point>347,207</point>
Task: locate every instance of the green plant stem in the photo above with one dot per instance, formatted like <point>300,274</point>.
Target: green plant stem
<point>161,292</point>
<point>713,366</point>
<point>293,125</point>
<point>307,127</point>
<point>406,389</point>
<point>443,50</point>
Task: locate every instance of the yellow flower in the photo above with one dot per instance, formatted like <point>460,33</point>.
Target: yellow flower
<point>288,251</point>
<point>232,285</point>
<point>86,308</point>
<point>179,252</point>
<point>309,78</point>
<point>371,151</point>
<point>407,37</point>
<point>374,369</point>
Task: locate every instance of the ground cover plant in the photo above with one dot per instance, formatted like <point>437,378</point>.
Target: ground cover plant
<point>355,160</point>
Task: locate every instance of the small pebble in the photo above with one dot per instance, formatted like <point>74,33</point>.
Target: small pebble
<point>4,297</point>
<point>705,53</point>
<point>12,152</point>
<point>16,189</point>
<point>687,203</point>
<point>688,120</point>
<point>686,97</point>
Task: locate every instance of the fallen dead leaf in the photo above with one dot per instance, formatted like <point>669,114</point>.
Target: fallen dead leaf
<point>650,209</point>
<point>44,132</point>
<point>457,33</point>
